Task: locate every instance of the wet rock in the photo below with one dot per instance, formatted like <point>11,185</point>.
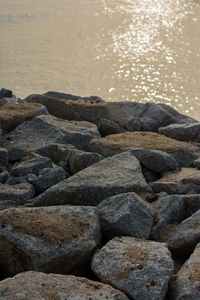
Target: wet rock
<point>79,160</point>
<point>141,124</point>
<point>3,159</point>
<point>54,239</point>
<point>184,153</point>
<point>185,238</point>
<point>56,152</point>
<point>47,177</point>
<point>139,268</point>
<point>5,93</point>
<point>168,212</point>
<point>125,215</point>
<point>182,132</point>
<point>44,130</point>
<point>17,193</point>
<point>13,115</point>
<point>109,177</point>
<point>4,176</point>
<point>187,281</point>
<point>34,285</point>
<point>192,203</point>
<point>107,127</point>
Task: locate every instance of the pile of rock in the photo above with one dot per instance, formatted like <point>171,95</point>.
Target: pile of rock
<point>104,196</point>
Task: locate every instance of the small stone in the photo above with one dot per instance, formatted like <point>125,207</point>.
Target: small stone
<point>107,127</point>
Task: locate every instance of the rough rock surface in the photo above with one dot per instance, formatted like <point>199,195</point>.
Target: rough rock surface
<point>139,268</point>
<point>182,132</point>
<point>183,152</point>
<point>54,239</point>
<point>3,159</point>
<point>111,176</point>
<point>44,130</point>
<point>56,152</point>
<point>187,235</point>
<point>187,281</point>
<point>141,124</point>
<point>17,193</point>
<point>5,93</point>
<point>125,215</point>
<point>13,115</point>
<point>107,127</point>
<point>35,285</point>
<point>192,203</point>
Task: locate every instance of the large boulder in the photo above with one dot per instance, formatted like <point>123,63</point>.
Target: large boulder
<point>125,215</point>
<point>109,177</point>
<point>5,93</point>
<point>13,115</point>
<point>34,285</point>
<point>183,152</point>
<point>139,268</point>
<point>182,132</point>
<point>44,130</point>
<point>48,239</point>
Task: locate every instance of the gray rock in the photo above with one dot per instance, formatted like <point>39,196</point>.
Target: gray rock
<point>56,152</point>
<point>107,127</point>
<point>17,180</point>
<point>45,130</point>
<point>48,177</point>
<point>5,93</point>
<point>139,268</point>
<point>187,281</point>
<point>78,160</point>
<point>150,175</point>
<point>3,159</point>
<point>141,124</point>
<point>109,177</point>
<point>168,212</point>
<point>51,240</point>
<point>125,215</point>
<point>17,193</point>
<point>4,176</point>
<point>65,96</point>
<point>196,163</point>
<point>31,164</point>
<point>185,238</point>
<point>182,132</point>
<point>34,285</point>
<point>192,203</point>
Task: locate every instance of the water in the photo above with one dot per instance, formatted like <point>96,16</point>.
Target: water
<point>137,50</point>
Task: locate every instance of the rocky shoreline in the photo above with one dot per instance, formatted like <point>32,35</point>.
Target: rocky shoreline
<point>98,200</point>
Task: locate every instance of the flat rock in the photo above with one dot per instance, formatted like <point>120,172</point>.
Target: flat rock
<point>182,132</point>
<point>139,268</point>
<point>17,193</point>
<point>13,115</point>
<point>44,130</point>
<point>187,281</point>
<point>35,285</point>
<point>109,177</point>
<point>54,239</point>
<point>184,153</point>
<point>187,235</point>
<point>125,215</point>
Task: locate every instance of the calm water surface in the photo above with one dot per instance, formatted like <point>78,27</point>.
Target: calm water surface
<point>137,50</point>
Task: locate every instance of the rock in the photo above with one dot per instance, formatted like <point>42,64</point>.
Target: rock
<point>48,177</point>
<point>150,175</point>
<point>54,239</point>
<point>88,109</point>
<point>107,127</point>
<point>187,281</point>
<point>184,153</point>
<point>4,176</point>
<point>16,180</point>
<point>56,152</point>
<point>168,212</point>
<point>45,130</point>
<point>17,193</point>
<point>78,160</point>
<point>141,124</point>
<point>13,115</point>
<point>139,268</point>
<point>196,163</point>
<point>109,177</point>
<point>175,182</point>
<point>185,238</point>
<point>192,203</point>
<point>5,93</point>
<point>125,215</point>
<point>34,285</point>
<point>182,132</point>
<point>3,159</point>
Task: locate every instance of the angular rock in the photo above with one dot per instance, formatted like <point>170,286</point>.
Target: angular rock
<point>182,132</point>
<point>78,160</point>
<point>45,130</point>
<point>141,124</point>
<point>107,127</point>
<point>17,193</point>
<point>168,212</point>
<point>192,203</point>
<point>109,177</point>
<point>4,176</point>
<point>54,239</point>
<point>139,268</point>
<point>5,93</point>
<point>3,159</point>
<point>185,238</point>
<point>13,115</point>
<point>125,215</point>
<point>32,164</point>
<point>150,175</point>
<point>184,153</point>
<point>56,152</point>
<point>187,281</point>
<point>34,285</point>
